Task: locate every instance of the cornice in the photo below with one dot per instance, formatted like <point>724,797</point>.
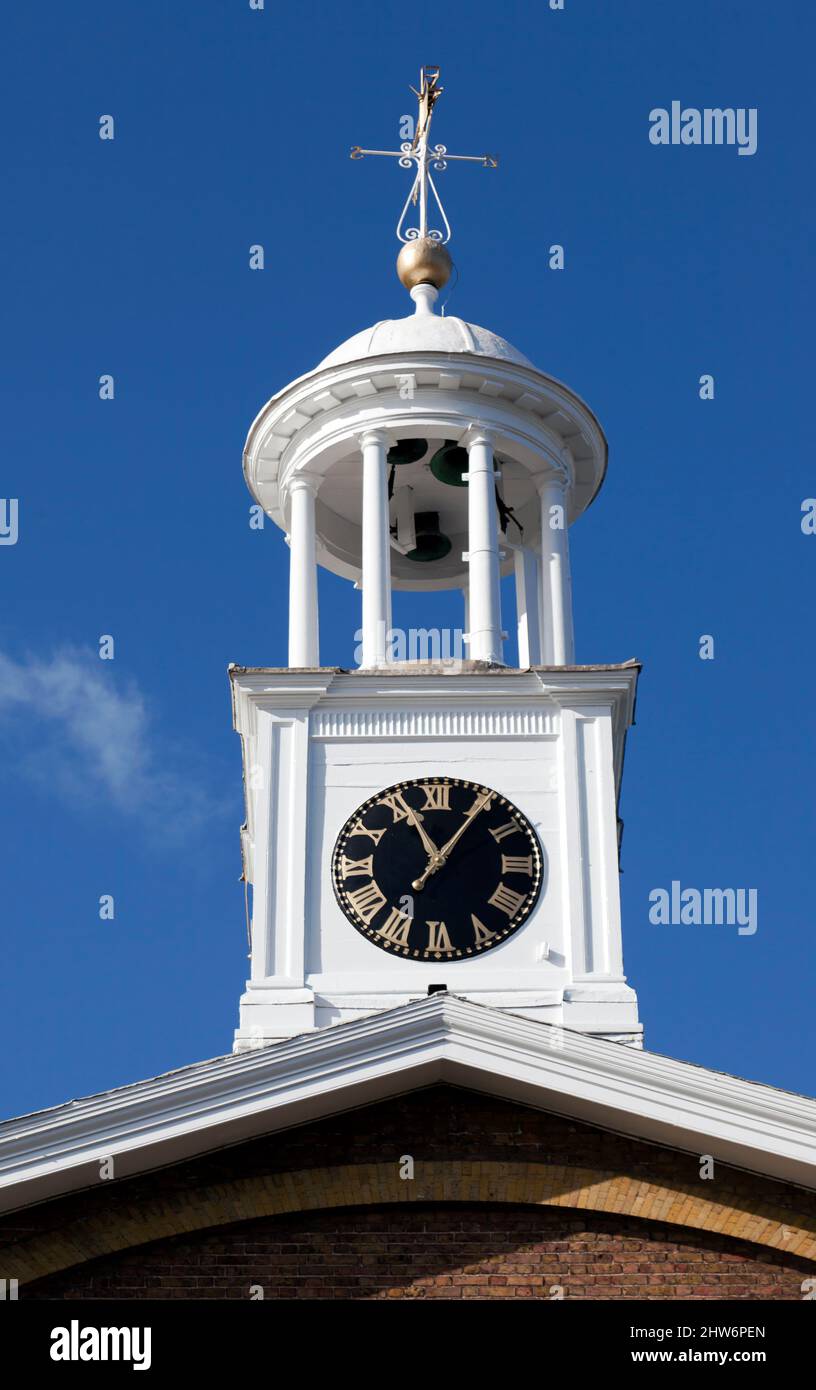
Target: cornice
<point>280,692</point>
<point>312,383</point>
<point>440,1039</point>
<point>332,687</point>
<point>313,417</point>
<point>387,417</point>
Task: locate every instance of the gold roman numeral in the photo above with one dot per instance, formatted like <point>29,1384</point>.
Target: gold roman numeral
<point>396,928</point>
<point>367,901</point>
<point>517,864</point>
<point>438,939</point>
<point>359,829</point>
<point>506,900</point>
<point>350,868</point>
<point>481,932</point>
<point>395,803</point>
<point>437,796</point>
<point>502,831</point>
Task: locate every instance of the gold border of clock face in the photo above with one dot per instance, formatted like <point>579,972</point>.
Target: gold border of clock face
<point>378,916</point>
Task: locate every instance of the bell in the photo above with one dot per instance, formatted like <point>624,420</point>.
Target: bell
<point>449,463</point>
<point>407,450</point>
<point>431,544</point>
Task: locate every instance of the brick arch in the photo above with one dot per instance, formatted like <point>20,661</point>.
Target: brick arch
<point>368,1184</point>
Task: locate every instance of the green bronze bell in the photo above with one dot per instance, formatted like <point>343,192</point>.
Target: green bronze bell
<point>407,450</point>
<point>431,543</point>
<point>449,463</point>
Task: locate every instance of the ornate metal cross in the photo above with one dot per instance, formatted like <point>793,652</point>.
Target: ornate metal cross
<point>418,152</point>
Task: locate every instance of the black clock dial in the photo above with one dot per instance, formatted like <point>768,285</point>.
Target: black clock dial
<point>437,869</point>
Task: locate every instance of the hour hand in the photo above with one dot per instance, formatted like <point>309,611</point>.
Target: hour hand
<point>416,821</point>
<point>402,810</point>
<point>440,857</point>
<point>435,859</point>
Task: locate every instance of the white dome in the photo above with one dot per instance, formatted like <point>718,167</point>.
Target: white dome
<point>424,332</point>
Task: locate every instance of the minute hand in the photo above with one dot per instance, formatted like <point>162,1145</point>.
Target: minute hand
<point>471,815</point>
<point>441,857</point>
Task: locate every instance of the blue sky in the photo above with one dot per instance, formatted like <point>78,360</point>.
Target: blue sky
<point>130,257</point>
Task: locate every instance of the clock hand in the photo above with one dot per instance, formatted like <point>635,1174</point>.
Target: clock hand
<point>430,847</point>
<point>441,856</point>
<point>434,865</point>
<point>435,860</point>
<point>474,811</point>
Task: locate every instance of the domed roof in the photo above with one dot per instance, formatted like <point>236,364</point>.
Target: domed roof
<point>424,331</point>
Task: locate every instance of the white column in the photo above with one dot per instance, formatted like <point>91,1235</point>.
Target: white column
<point>376,578</point>
<point>483,552</point>
<point>528,585</point>
<point>556,591</point>
<point>303,619</point>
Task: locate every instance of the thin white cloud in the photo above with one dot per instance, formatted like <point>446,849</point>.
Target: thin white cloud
<point>85,733</point>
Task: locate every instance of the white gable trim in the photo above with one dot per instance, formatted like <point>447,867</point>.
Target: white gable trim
<point>440,1039</point>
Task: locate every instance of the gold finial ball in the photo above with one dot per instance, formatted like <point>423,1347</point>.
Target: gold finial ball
<point>424,262</point>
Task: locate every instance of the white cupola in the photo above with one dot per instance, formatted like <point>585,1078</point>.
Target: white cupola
<point>427,453</point>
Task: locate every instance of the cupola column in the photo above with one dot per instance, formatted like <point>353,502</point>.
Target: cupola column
<point>376,557</point>
<point>528,605</point>
<point>304,640</point>
<point>484,607</point>
<point>557,642</point>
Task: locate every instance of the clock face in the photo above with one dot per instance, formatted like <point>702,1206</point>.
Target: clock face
<point>437,869</point>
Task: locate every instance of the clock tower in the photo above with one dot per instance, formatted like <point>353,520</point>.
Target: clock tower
<point>424,821</point>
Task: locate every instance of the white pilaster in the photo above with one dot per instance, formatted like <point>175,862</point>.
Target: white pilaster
<point>483,551</point>
<point>304,638</point>
<point>376,557</point>
<point>557,642</point>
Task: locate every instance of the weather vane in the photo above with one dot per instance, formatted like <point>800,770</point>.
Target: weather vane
<point>419,153</point>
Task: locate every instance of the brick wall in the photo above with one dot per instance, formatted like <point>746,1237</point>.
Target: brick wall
<point>480,1252</point>
<point>617,1218</point>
